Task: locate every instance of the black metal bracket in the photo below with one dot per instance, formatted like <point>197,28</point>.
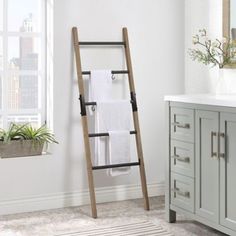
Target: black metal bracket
<point>133,101</point>
<point>82,105</point>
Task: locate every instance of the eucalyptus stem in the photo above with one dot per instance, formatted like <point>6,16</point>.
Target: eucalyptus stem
<point>215,52</point>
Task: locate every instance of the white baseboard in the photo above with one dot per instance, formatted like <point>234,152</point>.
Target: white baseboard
<point>60,200</point>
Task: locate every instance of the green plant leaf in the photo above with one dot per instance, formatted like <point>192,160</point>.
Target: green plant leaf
<point>28,132</point>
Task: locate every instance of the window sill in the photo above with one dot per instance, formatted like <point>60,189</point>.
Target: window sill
<point>43,155</point>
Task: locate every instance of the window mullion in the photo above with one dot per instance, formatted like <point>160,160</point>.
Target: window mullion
<point>24,34</point>
<point>43,82</point>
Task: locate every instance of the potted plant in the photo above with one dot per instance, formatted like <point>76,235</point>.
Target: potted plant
<point>217,53</point>
<point>24,140</point>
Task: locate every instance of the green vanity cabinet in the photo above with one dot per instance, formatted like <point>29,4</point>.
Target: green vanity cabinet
<point>227,161</point>
<point>207,164</point>
<point>201,163</point>
<point>216,167</point>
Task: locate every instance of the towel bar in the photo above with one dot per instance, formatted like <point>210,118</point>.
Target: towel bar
<point>102,43</point>
<point>107,134</point>
<point>90,103</point>
<point>132,96</point>
<point>93,103</point>
<point>113,72</point>
<point>116,165</point>
<point>83,104</point>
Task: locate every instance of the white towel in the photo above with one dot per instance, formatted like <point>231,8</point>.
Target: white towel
<point>119,151</point>
<point>114,117</point>
<point>99,89</point>
<point>100,86</point>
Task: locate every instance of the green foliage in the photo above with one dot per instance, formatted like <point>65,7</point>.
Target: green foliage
<point>13,133</point>
<point>27,132</point>
<point>213,52</point>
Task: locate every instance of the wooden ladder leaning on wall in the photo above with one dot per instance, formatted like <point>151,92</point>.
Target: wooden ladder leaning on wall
<point>83,105</point>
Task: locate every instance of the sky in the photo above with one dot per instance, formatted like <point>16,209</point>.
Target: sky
<point>18,10</point>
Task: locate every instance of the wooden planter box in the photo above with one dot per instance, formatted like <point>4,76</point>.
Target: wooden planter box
<point>20,148</point>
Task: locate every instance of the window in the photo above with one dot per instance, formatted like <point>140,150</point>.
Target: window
<point>22,62</point>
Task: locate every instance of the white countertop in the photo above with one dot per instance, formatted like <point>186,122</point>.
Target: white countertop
<point>228,100</point>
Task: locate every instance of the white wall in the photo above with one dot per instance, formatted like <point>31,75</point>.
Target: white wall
<point>156,32</point>
<point>201,14</point>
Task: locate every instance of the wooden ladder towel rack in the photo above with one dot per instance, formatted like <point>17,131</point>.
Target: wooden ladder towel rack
<point>86,134</point>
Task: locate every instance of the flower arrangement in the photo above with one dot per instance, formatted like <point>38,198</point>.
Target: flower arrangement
<point>215,52</point>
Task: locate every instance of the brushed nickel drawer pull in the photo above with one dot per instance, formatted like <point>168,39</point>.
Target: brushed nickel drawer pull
<point>183,159</point>
<point>179,125</point>
<point>181,193</point>
<point>213,154</point>
<point>222,135</point>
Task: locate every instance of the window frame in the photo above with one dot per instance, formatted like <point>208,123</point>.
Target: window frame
<point>41,73</point>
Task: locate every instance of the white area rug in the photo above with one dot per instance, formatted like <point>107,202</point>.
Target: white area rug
<point>73,220</point>
<point>135,229</point>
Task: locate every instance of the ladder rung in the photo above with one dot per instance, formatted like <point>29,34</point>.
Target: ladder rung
<point>101,43</point>
<point>113,72</point>
<point>92,103</point>
<point>106,134</point>
<point>115,165</point>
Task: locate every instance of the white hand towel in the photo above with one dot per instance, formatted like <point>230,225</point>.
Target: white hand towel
<point>115,117</point>
<point>119,151</point>
<point>100,89</point>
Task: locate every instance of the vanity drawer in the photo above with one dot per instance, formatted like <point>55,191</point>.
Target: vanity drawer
<point>182,121</point>
<point>182,192</point>
<point>182,158</point>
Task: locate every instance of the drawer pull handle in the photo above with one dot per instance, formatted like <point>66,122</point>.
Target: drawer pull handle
<point>223,136</point>
<point>181,193</point>
<point>183,159</point>
<point>184,126</point>
<point>213,154</point>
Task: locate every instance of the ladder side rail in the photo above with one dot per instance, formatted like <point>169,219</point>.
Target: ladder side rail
<point>84,124</point>
<point>136,119</point>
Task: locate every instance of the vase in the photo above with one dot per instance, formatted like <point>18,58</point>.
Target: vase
<point>226,81</point>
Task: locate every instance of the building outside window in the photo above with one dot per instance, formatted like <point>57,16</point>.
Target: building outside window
<point>22,62</point>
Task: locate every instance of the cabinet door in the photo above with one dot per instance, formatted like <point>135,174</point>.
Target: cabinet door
<point>207,165</point>
<point>228,170</point>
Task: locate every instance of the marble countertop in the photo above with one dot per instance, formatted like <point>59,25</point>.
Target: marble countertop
<point>226,100</point>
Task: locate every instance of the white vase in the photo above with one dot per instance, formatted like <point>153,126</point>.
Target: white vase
<point>226,81</point>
